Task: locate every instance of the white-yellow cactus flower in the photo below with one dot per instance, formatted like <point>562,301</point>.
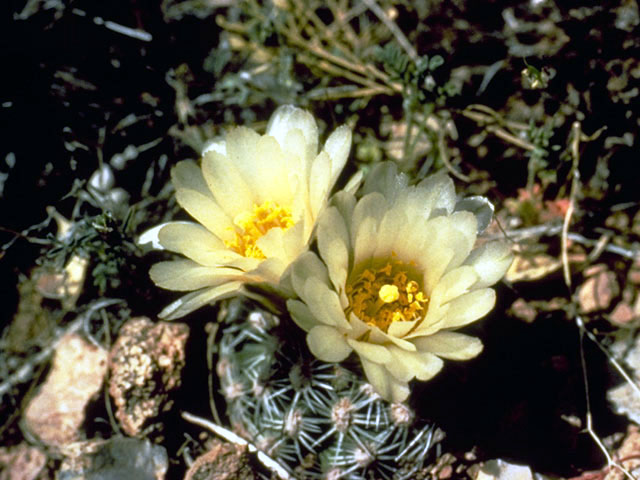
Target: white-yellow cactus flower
<point>396,276</point>
<point>256,199</point>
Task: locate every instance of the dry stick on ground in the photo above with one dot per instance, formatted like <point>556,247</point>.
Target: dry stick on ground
<point>576,132</point>
<point>228,435</point>
<point>314,30</point>
<point>320,30</point>
<point>495,124</point>
<point>315,55</point>
<point>444,156</point>
<point>391,25</point>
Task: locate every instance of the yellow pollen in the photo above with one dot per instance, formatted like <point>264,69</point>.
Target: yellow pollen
<point>251,226</point>
<point>387,294</point>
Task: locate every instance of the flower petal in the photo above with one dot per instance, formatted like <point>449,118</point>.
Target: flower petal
<point>319,182</point>
<point>384,383</point>
<point>450,345</point>
<point>306,266</point>
<point>391,225</point>
<point>151,236</point>
<point>354,182</point>
<point>272,244</point>
<point>464,227</point>
<point>184,275</point>
<point>490,261</point>
<point>324,303</point>
<point>194,300</point>
<point>345,202</point>
<point>334,309</point>
<point>297,155</point>
<point>453,284</point>
<point>327,344</point>
<point>337,146</point>
<point>206,211</point>
<point>365,243</point>
<point>438,195</point>
<point>371,206</point>
<point>265,271</point>
<point>271,172</point>
<point>333,244</point>
<point>294,241</point>
<point>398,330</point>
<point>227,185</point>
<point>301,314</point>
<point>287,118</point>
<point>399,391</point>
<point>373,353</point>
<point>434,263</point>
<point>468,308</point>
<point>406,365</point>
<point>215,145</point>
<point>358,327</point>
<point>262,165</point>
<point>456,233</point>
<point>196,242</point>
<point>187,175</point>
<point>385,179</point>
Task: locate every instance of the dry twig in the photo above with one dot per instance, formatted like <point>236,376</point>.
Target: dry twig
<point>228,435</point>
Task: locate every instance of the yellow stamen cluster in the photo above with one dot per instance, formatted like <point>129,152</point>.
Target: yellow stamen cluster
<point>385,295</point>
<point>250,226</point>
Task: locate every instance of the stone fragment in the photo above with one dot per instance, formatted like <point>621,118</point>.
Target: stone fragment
<point>622,314</point>
<point>224,461</point>
<point>598,290</point>
<point>625,398</point>
<point>501,470</point>
<point>625,401</point>
<point>629,455</point>
<point>145,362</point>
<point>56,413</point>
<point>21,462</point>
<point>529,268</point>
<point>118,458</point>
<point>634,272</point>
<point>524,310</point>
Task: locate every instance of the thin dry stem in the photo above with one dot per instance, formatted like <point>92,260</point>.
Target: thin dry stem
<point>228,435</point>
<point>577,135</point>
<point>391,25</point>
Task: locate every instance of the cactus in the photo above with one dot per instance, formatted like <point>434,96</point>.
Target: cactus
<point>319,420</point>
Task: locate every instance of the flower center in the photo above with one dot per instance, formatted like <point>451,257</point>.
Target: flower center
<point>250,226</point>
<point>385,295</point>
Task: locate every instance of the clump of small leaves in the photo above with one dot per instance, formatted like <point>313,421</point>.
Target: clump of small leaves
<point>105,241</point>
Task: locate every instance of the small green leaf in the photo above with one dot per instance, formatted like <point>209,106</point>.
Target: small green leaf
<point>435,62</point>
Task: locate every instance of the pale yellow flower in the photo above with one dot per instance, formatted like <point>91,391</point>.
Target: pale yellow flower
<point>395,277</point>
<point>256,199</point>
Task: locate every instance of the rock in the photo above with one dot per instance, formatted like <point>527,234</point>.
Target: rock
<point>21,462</point>
<point>118,458</point>
<point>622,314</point>
<point>598,290</point>
<point>629,453</point>
<point>626,401</point>
<point>145,362</point>
<point>501,470</point>
<point>626,397</point>
<point>223,461</point>
<point>523,310</point>
<point>56,413</point>
<point>527,268</point>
